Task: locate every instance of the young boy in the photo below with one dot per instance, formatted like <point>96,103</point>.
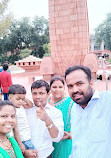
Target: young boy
<point>17,97</point>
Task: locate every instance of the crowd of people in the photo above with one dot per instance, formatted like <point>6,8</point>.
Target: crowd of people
<point>55,124</point>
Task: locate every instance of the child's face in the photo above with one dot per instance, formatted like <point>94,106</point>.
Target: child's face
<point>17,99</point>
<point>7,119</point>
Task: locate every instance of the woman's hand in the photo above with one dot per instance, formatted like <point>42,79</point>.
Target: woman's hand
<point>67,135</point>
<point>22,147</point>
<point>30,154</point>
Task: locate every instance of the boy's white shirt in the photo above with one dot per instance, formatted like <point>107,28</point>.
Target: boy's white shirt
<point>22,122</point>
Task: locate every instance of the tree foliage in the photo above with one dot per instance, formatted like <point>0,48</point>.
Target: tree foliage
<point>103,32</point>
<point>5,19</point>
<point>47,50</point>
<point>26,34</point>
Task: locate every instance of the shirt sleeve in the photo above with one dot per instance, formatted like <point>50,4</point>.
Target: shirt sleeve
<point>58,122</point>
<point>57,119</point>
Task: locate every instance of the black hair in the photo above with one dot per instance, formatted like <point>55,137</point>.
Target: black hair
<point>40,83</point>
<point>5,66</point>
<point>17,89</point>
<point>5,102</point>
<point>86,70</point>
<point>56,78</point>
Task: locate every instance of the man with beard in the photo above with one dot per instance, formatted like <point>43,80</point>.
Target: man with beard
<point>45,121</point>
<point>90,116</point>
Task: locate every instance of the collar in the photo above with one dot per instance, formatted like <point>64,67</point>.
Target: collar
<point>95,95</point>
<point>48,106</point>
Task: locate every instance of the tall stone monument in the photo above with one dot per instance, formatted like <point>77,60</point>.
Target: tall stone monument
<point>69,34</point>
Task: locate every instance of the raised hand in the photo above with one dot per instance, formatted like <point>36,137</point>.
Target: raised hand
<point>42,115</point>
<point>66,136</point>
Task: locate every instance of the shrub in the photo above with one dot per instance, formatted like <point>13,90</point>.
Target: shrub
<point>25,53</point>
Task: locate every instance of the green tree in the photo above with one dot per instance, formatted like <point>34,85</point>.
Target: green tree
<point>5,19</point>
<point>25,31</point>
<point>47,50</point>
<point>20,34</point>
<point>103,32</point>
<point>41,51</point>
<point>38,52</point>
<point>28,34</point>
<point>40,31</point>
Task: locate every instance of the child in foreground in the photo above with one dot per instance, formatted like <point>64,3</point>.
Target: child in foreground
<point>8,145</point>
<point>17,97</point>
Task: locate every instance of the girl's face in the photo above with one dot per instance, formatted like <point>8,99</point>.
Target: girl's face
<point>7,119</point>
<point>57,89</point>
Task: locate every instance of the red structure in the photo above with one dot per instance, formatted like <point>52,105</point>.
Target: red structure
<point>69,32</point>
<point>69,39</point>
<point>30,64</point>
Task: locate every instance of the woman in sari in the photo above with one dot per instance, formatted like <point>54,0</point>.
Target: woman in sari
<point>8,145</point>
<point>58,99</point>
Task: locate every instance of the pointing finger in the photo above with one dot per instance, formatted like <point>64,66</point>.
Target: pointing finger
<point>40,105</point>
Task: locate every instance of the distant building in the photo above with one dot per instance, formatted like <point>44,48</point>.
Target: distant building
<point>99,50</point>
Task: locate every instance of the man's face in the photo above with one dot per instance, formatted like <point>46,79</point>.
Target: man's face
<point>40,96</point>
<point>79,87</point>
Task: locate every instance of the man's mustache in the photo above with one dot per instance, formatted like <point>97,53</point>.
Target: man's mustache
<point>73,95</point>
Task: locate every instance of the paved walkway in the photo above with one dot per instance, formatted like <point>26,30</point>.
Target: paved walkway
<point>100,85</point>
<point>24,80</point>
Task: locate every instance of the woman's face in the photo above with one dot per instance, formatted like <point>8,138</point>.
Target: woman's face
<point>57,89</point>
<point>7,119</point>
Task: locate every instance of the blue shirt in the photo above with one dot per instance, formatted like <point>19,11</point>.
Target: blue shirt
<point>91,127</point>
<point>3,70</point>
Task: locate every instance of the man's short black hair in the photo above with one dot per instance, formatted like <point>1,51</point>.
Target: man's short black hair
<point>40,83</point>
<point>5,66</point>
<point>86,70</point>
<point>17,89</point>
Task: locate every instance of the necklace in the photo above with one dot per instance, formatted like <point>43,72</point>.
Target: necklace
<point>6,146</point>
<point>11,152</point>
<point>3,140</point>
<point>17,151</point>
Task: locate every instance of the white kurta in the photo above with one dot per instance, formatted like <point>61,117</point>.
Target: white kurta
<point>39,133</point>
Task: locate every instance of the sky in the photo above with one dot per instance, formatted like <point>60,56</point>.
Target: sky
<point>97,10</point>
